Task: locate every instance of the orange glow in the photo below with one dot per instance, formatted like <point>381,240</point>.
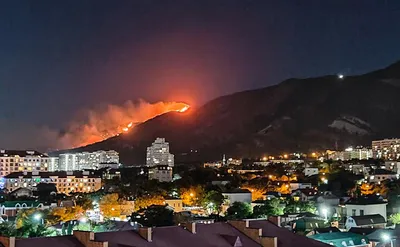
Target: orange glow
<point>114,120</point>
<point>185,108</point>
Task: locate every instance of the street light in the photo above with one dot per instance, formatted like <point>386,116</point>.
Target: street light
<point>386,238</point>
<point>39,217</point>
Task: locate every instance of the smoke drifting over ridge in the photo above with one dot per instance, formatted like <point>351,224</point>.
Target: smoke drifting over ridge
<point>97,125</point>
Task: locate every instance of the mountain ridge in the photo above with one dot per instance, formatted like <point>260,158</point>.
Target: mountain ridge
<point>294,115</point>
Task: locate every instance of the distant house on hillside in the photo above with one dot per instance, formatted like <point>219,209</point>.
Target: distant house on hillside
<point>366,205</point>
<point>304,194</point>
<point>237,195</point>
<point>366,221</point>
<point>379,175</point>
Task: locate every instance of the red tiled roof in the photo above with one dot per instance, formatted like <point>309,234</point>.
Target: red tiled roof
<point>285,237</point>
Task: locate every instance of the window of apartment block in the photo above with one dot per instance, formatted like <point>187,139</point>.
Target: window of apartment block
<point>361,212</point>
<point>353,212</point>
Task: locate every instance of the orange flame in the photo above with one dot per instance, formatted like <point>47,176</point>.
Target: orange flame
<point>101,125</point>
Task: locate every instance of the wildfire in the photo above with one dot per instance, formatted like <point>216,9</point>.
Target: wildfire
<point>112,121</point>
<point>185,108</point>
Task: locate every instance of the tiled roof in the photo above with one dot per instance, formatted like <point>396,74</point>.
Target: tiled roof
<point>220,234</point>
<point>366,200</point>
<point>61,241</point>
<point>216,234</point>
<point>285,237</point>
<point>371,219</point>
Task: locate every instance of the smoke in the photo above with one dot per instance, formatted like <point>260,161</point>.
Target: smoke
<point>111,120</point>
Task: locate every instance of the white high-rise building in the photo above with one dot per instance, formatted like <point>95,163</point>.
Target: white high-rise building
<point>158,154</point>
<point>68,162</point>
<point>87,160</point>
<point>22,160</point>
<point>53,164</point>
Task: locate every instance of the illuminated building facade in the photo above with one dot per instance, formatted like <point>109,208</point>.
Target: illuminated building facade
<point>388,149</point>
<point>87,160</point>
<point>22,160</point>
<point>66,182</point>
<point>158,154</point>
<point>359,153</point>
<point>162,173</point>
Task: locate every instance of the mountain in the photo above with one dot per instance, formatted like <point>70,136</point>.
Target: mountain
<point>295,115</point>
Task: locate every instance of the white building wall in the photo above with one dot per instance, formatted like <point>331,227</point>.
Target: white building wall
<point>237,197</point>
<point>368,209</point>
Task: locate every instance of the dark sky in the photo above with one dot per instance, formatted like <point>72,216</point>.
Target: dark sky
<point>58,57</point>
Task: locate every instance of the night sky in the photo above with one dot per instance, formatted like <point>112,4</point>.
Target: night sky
<point>59,57</point>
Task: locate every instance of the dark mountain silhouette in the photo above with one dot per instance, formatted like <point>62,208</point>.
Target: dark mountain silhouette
<point>295,115</point>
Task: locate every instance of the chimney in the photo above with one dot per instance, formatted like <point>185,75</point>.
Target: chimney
<point>269,242</point>
<point>7,241</point>
<point>191,226</point>
<point>254,233</point>
<point>146,233</point>
<point>275,219</point>
<point>87,239</point>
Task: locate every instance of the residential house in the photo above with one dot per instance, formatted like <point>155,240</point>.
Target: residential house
<point>345,239</point>
<point>365,206</point>
<point>304,194</point>
<point>366,221</point>
<point>297,185</point>
<point>379,175</point>
<point>237,195</point>
<point>378,236</point>
<point>310,171</point>
<point>175,204</point>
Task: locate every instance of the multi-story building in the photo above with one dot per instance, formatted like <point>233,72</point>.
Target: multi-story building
<point>388,149</point>
<point>66,182</point>
<point>359,153</point>
<point>22,160</point>
<point>158,153</point>
<point>162,173</point>
<point>53,164</point>
<point>87,160</point>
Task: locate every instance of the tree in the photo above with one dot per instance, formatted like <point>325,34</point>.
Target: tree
<point>213,201</point>
<point>192,196</point>
<point>271,207</point>
<point>84,201</point>
<point>65,214</point>
<point>239,210</point>
<point>148,200</point>
<point>300,207</point>
<point>367,189</point>
<point>155,215</point>
<point>109,206</point>
<point>46,191</point>
<point>395,218</point>
<point>23,216</point>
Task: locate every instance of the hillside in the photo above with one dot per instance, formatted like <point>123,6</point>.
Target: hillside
<point>295,115</point>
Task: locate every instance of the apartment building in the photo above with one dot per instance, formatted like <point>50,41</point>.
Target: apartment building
<point>66,182</point>
<point>388,149</point>
<point>22,160</point>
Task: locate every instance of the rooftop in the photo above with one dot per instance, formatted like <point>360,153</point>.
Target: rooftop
<point>20,153</point>
<point>366,200</point>
<point>60,174</point>
<point>369,219</point>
